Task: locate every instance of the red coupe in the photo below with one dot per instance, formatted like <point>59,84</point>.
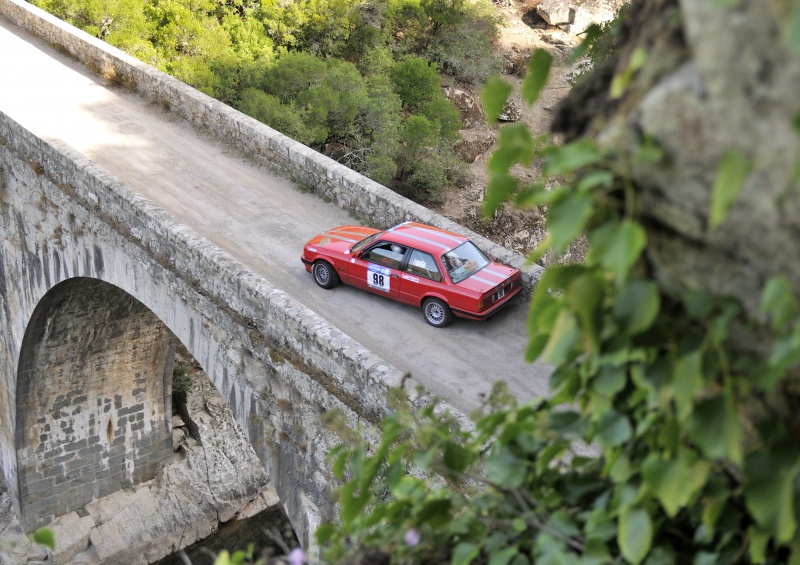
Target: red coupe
<point>443,272</point>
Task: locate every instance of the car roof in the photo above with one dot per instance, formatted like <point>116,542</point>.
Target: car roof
<point>425,238</point>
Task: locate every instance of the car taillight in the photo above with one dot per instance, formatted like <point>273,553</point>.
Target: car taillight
<point>480,304</point>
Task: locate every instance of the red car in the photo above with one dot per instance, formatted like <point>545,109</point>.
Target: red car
<point>443,272</point>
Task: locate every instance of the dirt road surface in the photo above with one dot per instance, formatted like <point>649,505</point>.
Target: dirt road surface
<point>259,218</point>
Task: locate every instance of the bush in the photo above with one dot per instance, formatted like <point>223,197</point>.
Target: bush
<point>181,378</point>
<point>285,118</point>
<point>416,81</point>
<point>466,51</point>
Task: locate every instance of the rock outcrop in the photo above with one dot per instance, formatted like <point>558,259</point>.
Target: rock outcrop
<point>213,480</point>
<point>718,80</point>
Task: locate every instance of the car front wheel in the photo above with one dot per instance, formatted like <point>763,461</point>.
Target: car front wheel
<point>437,313</point>
<point>324,274</point>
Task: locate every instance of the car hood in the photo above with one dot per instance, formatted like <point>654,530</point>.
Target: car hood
<point>487,278</point>
<point>341,238</point>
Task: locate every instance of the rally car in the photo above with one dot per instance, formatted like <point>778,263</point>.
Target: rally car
<point>442,272</point>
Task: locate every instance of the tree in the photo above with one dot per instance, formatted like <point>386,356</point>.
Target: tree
<point>679,366</point>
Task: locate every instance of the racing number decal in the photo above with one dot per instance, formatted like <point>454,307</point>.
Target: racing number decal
<point>379,277</point>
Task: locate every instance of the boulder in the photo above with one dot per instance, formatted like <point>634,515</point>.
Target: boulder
<point>468,107</point>
<point>575,16</point>
<point>473,144</point>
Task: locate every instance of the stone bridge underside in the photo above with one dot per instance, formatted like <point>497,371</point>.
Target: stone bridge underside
<point>93,398</point>
<point>95,284</point>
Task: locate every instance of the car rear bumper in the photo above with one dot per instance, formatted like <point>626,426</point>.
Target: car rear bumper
<point>491,311</point>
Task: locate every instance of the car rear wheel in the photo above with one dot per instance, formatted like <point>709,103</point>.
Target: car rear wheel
<point>324,274</point>
<point>437,313</point>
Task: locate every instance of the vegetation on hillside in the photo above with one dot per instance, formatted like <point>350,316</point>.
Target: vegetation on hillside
<point>358,81</point>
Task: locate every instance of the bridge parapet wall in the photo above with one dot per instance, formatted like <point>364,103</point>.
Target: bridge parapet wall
<point>350,190</point>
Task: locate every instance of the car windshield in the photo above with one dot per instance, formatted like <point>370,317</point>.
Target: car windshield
<point>464,261</point>
<point>358,246</point>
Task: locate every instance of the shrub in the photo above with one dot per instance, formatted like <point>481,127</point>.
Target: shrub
<point>181,378</point>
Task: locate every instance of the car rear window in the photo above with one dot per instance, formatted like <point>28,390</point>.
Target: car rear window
<point>464,261</point>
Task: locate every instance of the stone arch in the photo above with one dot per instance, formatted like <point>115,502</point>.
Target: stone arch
<point>93,404</point>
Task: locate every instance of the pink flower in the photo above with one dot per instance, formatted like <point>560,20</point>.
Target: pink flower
<point>297,557</point>
<point>412,537</point>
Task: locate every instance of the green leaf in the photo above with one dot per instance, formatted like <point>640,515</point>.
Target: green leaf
<point>494,97</point>
<point>620,82</point>
<point>408,487</point>
<point>594,179</point>
<point>698,303</point>
<point>464,553</point>
<point>324,533</point>
<point>614,429</point>
<point>46,537</point>
<point>514,145</point>
<point>505,468</point>
<point>609,380</point>
<point>500,188</point>
<point>585,296</point>
<point>538,71</point>
<point>714,426</point>
<point>777,301</point>
<point>758,539</point>
<point>769,491</point>
<point>570,157</point>
<point>223,558</point>
<point>687,381</point>
<point>436,512</point>
<point>568,423</point>
<point>617,246</point>
<point>504,556</point>
<point>561,343</point>
<point>732,172</point>
<point>456,457</point>
<point>635,533</point>
<point>591,33</point>
<point>352,503</point>
<point>675,481</point>
<point>637,305</point>
<point>786,350</point>
<point>649,152</point>
<point>566,220</point>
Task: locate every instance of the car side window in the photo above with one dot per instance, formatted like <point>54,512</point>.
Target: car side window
<point>421,263</point>
<point>388,254</point>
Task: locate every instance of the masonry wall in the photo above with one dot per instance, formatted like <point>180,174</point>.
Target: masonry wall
<point>364,198</point>
<point>93,399</point>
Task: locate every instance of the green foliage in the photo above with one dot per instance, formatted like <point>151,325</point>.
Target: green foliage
<point>464,48</point>
<point>45,537</point>
<point>416,82</point>
<point>182,378</point>
<point>341,76</point>
<point>694,456</point>
<point>731,176</point>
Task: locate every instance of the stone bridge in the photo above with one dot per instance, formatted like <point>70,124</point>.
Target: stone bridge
<point>97,284</point>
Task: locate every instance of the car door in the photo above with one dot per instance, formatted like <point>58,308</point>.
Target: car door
<point>377,269</point>
<point>420,277</point>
